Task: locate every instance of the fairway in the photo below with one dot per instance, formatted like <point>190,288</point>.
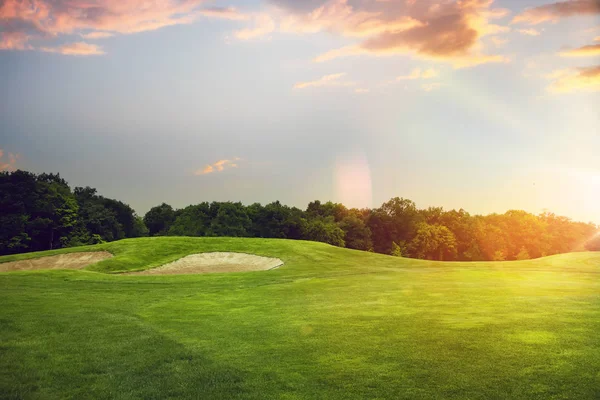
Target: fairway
<point>330,323</point>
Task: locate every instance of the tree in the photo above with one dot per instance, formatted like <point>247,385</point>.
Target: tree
<point>498,255</point>
<point>159,219</point>
<point>316,209</point>
<point>433,242</point>
<point>55,213</point>
<point>462,225</point>
<point>124,215</point>
<point>17,198</point>
<point>95,219</point>
<point>523,254</point>
<point>37,212</point>
<point>395,221</point>
<point>270,221</point>
<point>593,244</point>
<point>324,230</point>
<point>357,234</point>
<point>192,221</point>
<point>40,212</point>
<point>139,228</point>
<point>231,220</point>
<point>491,237</point>
<point>399,249</point>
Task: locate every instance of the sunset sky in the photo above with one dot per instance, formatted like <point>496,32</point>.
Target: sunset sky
<point>480,104</point>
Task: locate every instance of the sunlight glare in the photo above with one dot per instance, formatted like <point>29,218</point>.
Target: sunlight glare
<point>352,177</point>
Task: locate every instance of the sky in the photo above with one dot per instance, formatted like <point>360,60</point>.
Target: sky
<point>476,104</point>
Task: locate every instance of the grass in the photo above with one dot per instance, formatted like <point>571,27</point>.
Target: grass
<point>330,323</point>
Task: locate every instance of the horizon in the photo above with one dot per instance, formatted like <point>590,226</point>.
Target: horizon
<point>322,201</point>
<point>343,101</point>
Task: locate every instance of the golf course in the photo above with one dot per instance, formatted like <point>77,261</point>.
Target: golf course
<point>328,323</point>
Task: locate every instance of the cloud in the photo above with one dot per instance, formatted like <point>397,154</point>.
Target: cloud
<point>529,32</point>
<point>75,49</point>
<point>218,166</point>
<point>585,51</point>
<point>263,25</point>
<point>498,41</point>
<point>8,164</point>
<point>428,87</point>
<point>341,52</point>
<point>43,19</point>
<point>340,17</point>
<point>14,41</point>
<point>361,90</point>
<point>446,31</point>
<point>230,13</point>
<point>417,73</point>
<point>97,35</point>
<point>555,11</point>
<point>586,79</point>
<point>327,80</point>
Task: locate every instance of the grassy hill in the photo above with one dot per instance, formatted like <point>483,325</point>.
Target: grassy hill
<point>330,323</point>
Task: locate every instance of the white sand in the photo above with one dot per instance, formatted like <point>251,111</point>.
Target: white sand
<point>62,261</point>
<point>206,263</point>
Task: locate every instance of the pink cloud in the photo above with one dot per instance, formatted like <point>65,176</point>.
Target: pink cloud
<point>448,31</point>
<point>263,25</point>
<point>529,32</point>
<point>585,51</point>
<point>8,165</point>
<point>556,11</point>
<point>339,16</point>
<point>94,19</point>
<point>75,49</point>
<point>218,166</point>
<point>13,41</point>
<point>327,80</point>
<point>417,73</point>
<point>586,79</point>
<point>97,35</point>
<point>230,13</point>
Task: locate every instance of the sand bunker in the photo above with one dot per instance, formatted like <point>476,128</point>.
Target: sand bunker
<point>206,263</point>
<point>62,261</point>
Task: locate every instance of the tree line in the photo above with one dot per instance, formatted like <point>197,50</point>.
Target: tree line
<point>41,212</point>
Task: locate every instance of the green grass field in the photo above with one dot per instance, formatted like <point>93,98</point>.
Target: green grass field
<point>330,323</point>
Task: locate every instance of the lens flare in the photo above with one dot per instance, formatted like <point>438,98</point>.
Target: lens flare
<point>352,177</point>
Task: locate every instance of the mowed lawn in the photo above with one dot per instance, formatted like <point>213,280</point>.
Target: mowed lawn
<point>330,324</point>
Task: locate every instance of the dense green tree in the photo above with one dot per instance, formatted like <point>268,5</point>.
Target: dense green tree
<point>159,219</point>
<point>192,221</point>
<point>124,214</point>
<point>399,249</point>
<point>462,225</point>
<point>231,220</point>
<point>95,219</point>
<point>39,212</point>
<point>395,221</point>
<point>324,230</point>
<point>54,215</point>
<point>433,242</point>
<point>139,227</point>
<point>357,234</point>
<point>383,231</point>
<point>270,221</point>
<point>316,209</point>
